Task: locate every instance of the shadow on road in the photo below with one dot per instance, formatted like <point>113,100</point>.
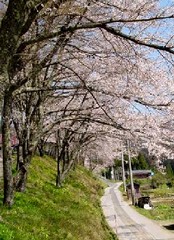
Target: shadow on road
<point>169,227</point>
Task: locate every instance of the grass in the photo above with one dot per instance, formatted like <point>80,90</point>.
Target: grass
<point>161,211</point>
<point>43,212</point>
<point>162,200</point>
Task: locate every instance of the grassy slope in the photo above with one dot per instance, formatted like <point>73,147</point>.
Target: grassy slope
<point>161,198</point>
<point>44,212</point>
<point>163,204</point>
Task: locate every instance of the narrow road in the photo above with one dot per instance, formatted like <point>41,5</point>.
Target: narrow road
<point>126,222</point>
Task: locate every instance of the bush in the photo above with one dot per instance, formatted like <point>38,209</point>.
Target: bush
<point>158,180</point>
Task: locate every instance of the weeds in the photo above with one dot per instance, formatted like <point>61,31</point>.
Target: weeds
<point>45,212</point>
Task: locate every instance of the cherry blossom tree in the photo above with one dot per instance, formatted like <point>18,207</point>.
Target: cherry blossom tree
<point>113,54</point>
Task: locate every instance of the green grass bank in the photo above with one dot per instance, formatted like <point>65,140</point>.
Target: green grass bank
<point>163,204</point>
<point>161,197</point>
<point>72,212</point>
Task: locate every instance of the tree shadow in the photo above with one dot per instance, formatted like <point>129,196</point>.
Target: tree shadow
<point>169,227</point>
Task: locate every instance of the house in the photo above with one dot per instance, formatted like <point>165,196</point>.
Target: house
<point>140,173</point>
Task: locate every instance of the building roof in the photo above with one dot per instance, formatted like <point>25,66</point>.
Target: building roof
<point>139,172</point>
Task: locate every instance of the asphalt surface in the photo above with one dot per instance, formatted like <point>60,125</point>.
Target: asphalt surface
<point>126,222</point>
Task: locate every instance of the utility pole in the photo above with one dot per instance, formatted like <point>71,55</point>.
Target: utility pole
<point>123,170</point>
<point>130,174</point>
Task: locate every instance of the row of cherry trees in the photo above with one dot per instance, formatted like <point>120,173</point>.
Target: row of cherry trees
<point>83,74</point>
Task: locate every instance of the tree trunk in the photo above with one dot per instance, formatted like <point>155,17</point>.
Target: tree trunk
<point>19,157</point>
<point>21,178</point>
<point>58,177</point>
<point>41,148</point>
<point>58,159</point>
<point>67,170</point>
<point>7,151</point>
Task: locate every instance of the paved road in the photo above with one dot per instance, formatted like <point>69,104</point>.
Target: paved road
<point>126,222</point>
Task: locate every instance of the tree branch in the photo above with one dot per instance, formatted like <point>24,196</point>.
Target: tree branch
<point>104,25</point>
<point>137,41</point>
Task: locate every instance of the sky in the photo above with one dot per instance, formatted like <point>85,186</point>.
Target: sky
<point>164,3</point>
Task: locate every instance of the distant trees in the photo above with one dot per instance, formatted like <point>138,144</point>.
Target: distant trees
<point>142,161</point>
<point>138,162</point>
<point>169,170</point>
<point>158,180</point>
